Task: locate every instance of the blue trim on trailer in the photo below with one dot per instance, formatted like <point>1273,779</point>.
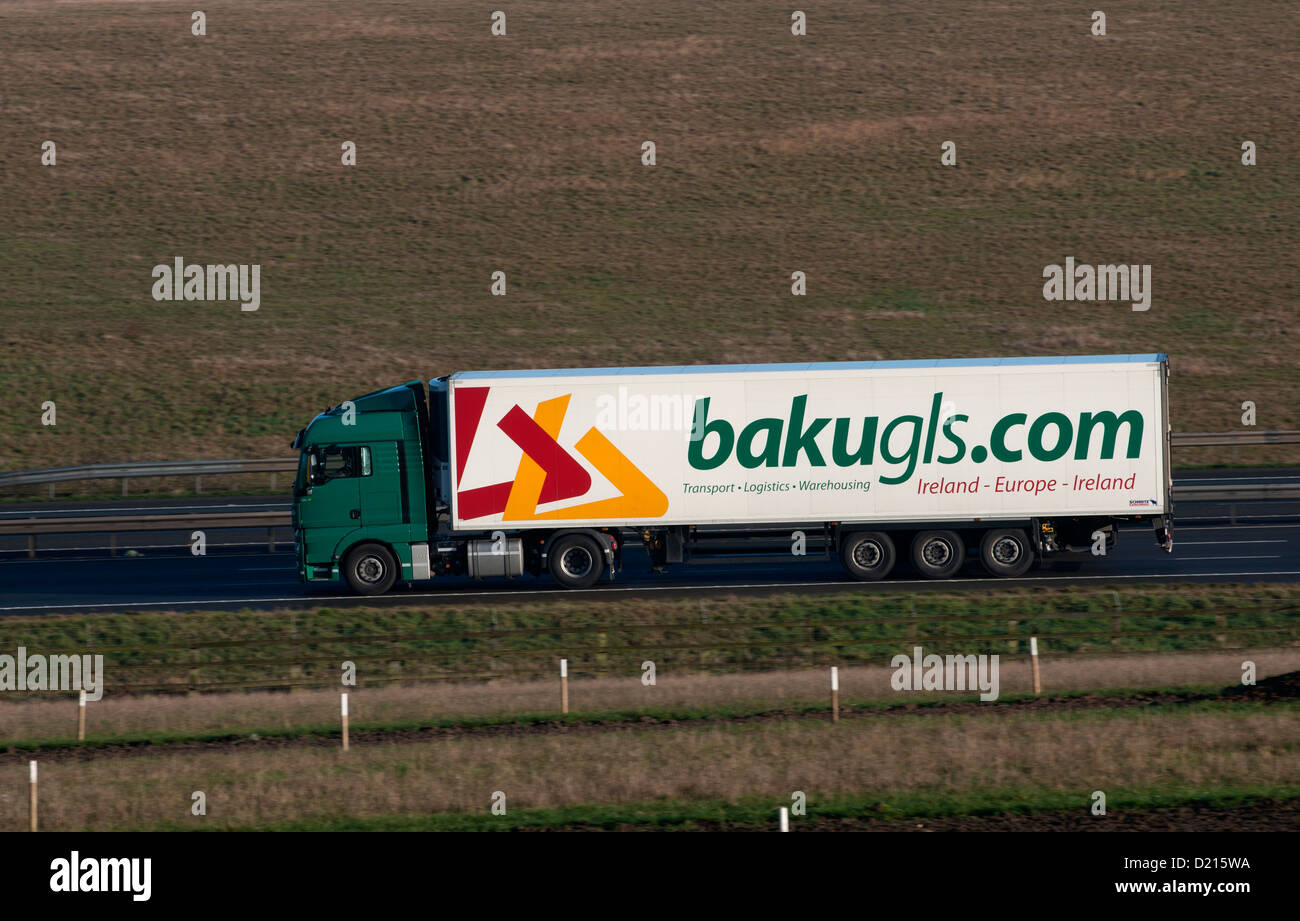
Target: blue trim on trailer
<point>815,366</point>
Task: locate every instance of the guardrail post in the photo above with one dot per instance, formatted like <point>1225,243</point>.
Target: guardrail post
<point>272,481</point>
<point>31,546</point>
<point>270,539</point>
<point>198,485</point>
<point>125,480</point>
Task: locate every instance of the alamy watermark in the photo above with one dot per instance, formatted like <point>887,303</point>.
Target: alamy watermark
<point>52,673</point>
<point>625,411</point>
<point>1098,283</point>
<point>932,672</point>
<point>103,874</point>
<point>194,282</point>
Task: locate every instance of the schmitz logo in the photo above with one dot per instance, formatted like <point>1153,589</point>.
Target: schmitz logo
<point>547,471</point>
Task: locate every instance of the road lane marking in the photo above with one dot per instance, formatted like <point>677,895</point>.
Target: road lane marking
<point>1224,543</point>
<point>1242,515</point>
<point>1233,527</point>
<point>1200,558</point>
<point>558,592</point>
<point>140,557</point>
<point>1232,479</point>
<point>108,512</point>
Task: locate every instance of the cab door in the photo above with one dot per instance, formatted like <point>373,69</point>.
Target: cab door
<point>330,507</point>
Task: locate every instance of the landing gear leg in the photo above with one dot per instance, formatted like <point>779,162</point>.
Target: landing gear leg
<point>1164,533</point>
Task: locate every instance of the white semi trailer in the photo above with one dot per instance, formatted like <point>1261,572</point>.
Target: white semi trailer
<point>929,462</point>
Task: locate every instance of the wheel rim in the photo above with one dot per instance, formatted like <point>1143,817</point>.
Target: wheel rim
<point>371,570</point>
<point>576,562</point>
<point>868,554</point>
<point>936,553</point>
<point>1006,550</point>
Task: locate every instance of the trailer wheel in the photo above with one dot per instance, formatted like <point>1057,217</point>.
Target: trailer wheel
<point>938,554</point>
<point>867,555</point>
<point>576,561</point>
<point>1006,552</point>
<point>370,569</point>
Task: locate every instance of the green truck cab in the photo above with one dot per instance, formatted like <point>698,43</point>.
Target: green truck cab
<point>362,497</point>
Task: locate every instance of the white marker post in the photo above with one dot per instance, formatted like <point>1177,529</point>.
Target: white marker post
<point>835,694</point>
<point>31,799</point>
<point>81,717</point>
<point>344,712</point>
<point>564,685</point>
<point>1033,658</point>
<point>785,819</point>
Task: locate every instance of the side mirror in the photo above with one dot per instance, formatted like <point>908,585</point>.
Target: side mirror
<point>315,469</point>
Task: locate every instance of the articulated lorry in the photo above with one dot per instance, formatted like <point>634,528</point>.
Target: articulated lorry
<point>928,463</point>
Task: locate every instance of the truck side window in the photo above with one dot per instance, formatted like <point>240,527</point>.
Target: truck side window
<point>335,462</point>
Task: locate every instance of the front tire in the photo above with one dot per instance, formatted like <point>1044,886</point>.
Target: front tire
<point>867,555</point>
<point>370,569</point>
<point>576,561</point>
<point>938,554</point>
<point>1006,553</point>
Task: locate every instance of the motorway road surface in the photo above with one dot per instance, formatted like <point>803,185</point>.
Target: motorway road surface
<point>76,574</point>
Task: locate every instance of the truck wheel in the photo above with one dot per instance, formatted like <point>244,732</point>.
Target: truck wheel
<point>867,555</point>
<point>1006,552</point>
<point>370,569</point>
<point>576,561</point>
<point>938,554</point>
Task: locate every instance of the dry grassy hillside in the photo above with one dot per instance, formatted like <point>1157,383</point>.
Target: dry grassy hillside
<point>522,154</point>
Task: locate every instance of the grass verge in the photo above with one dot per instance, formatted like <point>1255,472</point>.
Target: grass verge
<point>759,813</point>
<point>232,649</point>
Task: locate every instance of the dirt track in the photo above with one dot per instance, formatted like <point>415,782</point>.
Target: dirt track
<point>1279,688</point>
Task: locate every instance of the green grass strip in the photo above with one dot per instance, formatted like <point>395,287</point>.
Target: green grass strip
<point>758,813</point>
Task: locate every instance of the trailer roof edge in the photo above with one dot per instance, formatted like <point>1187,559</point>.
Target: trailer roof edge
<point>815,366</point>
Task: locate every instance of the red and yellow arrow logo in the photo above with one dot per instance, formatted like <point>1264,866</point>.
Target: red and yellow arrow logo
<point>547,472</point>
